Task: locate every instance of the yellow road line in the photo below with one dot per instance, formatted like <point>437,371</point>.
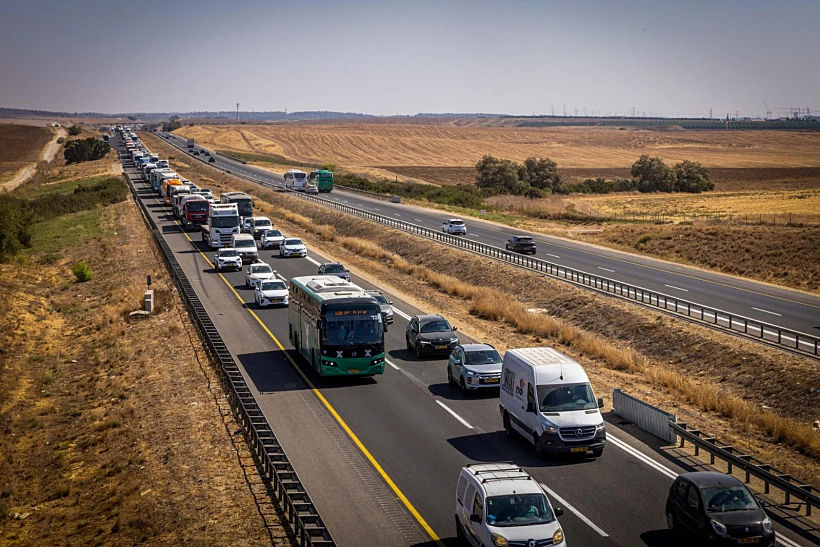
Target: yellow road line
<point>393,486</point>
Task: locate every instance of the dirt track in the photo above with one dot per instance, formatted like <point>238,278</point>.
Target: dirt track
<point>49,152</point>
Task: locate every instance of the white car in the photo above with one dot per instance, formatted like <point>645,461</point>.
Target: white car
<point>312,189</point>
<point>501,504</point>
<point>206,193</point>
<point>271,238</point>
<point>258,272</point>
<point>292,247</point>
<point>227,258</point>
<point>454,226</point>
<point>271,292</point>
<point>260,225</point>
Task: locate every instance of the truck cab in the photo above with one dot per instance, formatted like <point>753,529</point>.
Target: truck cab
<point>193,210</point>
<point>222,224</point>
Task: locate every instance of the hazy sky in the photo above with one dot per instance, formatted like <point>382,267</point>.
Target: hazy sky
<point>666,57</point>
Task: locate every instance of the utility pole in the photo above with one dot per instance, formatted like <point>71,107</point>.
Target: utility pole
<point>237,111</point>
<point>737,114</point>
<point>710,112</point>
<point>633,111</point>
<point>565,111</point>
<point>552,111</point>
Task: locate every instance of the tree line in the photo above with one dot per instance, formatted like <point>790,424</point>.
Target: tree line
<point>538,177</point>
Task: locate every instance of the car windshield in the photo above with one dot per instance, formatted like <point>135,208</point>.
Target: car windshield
<point>518,510</point>
<point>228,253</point>
<point>299,175</point>
<point>293,242</point>
<point>260,268</point>
<point>564,397</point>
<point>224,222</point>
<point>456,222</point>
<point>273,233</point>
<point>273,286</point>
<point>334,268</point>
<point>436,325</point>
<point>197,206</point>
<point>525,240</point>
<point>244,243</point>
<point>721,499</point>
<point>482,357</point>
<point>262,223</point>
<point>380,299</point>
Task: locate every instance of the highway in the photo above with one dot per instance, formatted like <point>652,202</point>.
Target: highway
<point>779,306</point>
<point>380,457</point>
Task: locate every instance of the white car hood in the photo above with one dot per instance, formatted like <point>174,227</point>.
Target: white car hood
<point>574,418</point>
<point>277,293</point>
<point>524,533</point>
<point>261,275</point>
<point>294,247</point>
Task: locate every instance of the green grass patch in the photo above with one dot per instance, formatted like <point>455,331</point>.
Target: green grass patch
<point>57,233</point>
<point>267,158</point>
<point>32,191</point>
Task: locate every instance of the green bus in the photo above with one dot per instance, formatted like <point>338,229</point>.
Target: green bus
<point>336,326</point>
<point>323,179</point>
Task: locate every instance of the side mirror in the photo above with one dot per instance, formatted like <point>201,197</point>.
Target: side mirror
<point>456,362</point>
<point>455,329</point>
<point>559,512</point>
<point>390,303</point>
<point>600,402</point>
<point>475,518</point>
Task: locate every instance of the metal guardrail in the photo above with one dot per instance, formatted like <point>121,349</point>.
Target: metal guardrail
<point>792,340</point>
<point>365,193</point>
<point>645,416</point>
<point>287,490</point>
<point>806,493</point>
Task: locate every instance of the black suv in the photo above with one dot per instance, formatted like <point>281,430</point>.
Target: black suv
<point>521,244</point>
<point>334,268</point>
<point>429,334</point>
<point>717,508</point>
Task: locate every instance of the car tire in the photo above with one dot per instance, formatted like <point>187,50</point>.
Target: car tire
<point>539,449</point>
<point>407,344</point>
<point>597,453</point>
<point>217,268</point>
<point>508,428</point>
<point>418,351</point>
<point>450,380</point>
<point>463,385</point>
<point>670,520</point>
<point>460,532</point>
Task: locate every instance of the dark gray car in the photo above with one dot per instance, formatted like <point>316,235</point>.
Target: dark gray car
<point>334,268</point>
<point>386,307</point>
<point>474,366</point>
<point>430,334</point>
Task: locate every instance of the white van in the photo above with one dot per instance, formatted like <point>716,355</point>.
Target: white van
<point>296,180</point>
<point>547,398</point>
<point>501,504</point>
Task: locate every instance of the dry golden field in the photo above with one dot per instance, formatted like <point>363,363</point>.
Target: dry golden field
<point>20,145</point>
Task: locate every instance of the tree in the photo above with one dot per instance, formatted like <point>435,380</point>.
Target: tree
<point>691,176</point>
<point>132,118</point>
<point>167,127</point>
<point>173,118</point>
<point>75,130</point>
<point>16,219</point>
<point>328,166</point>
<point>85,150</point>
<point>652,175</point>
<point>499,176</point>
<point>542,173</point>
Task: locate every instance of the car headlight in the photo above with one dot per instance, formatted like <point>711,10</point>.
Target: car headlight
<point>558,536</point>
<point>600,426</point>
<point>329,363</point>
<point>499,540</point>
<point>767,525</point>
<point>548,426</point>
<point>718,527</point>
<point>470,373</point>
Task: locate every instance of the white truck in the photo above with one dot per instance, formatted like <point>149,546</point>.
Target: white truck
<point>223,223</point>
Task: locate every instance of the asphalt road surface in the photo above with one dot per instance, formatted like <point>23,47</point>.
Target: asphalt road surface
<point>380,457</point>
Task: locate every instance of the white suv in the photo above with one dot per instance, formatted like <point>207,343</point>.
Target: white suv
<point>454,226</point>
<point>501,504</point>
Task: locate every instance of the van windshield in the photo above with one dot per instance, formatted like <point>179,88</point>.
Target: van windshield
<point>564,397</point>
<point>518,510</point>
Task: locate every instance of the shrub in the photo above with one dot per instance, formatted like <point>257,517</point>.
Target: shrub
<point>75,130</point>
<point>15,226</point>
<point>81,271</point>
<point>328,166</point>
<point>643,239</point>
<point>60,140</point>
<point>85,150</point>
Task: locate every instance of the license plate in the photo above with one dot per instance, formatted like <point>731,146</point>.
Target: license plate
<point>441,347</point>
<point>744,541</point>
<point>353,371</point>
<point>491,380</point>
<point>579,449</point>
<point>276,300</point>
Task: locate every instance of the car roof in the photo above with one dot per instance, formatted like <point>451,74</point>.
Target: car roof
<point>477,347</point>
<point>711,478</point>
<point>331,263</point>
<point>454,219</point>
<point>499,479</point>
<point>425,318</point>
<point>226,249</point>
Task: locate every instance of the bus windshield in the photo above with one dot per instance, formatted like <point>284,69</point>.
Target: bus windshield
<point>350,325</point>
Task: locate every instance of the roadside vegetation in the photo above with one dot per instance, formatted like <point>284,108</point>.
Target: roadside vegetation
<point>89,149</point>
<point>98,410</point>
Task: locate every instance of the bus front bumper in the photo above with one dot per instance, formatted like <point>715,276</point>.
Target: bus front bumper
<point>353,367</point>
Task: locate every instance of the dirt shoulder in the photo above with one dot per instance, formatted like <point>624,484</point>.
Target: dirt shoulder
<point>115,431</point>
<point>724,385</point>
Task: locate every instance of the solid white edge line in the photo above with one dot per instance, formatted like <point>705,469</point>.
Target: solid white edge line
<point>392,364</point>
<point>676,288</point>
<point>767,311</point>
<point>577,513</point>
<point>456,416</point>
<point>606,269</point>
<point>641,456</point>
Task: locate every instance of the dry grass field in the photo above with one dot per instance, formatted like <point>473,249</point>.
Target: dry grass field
<point>20,146</point>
